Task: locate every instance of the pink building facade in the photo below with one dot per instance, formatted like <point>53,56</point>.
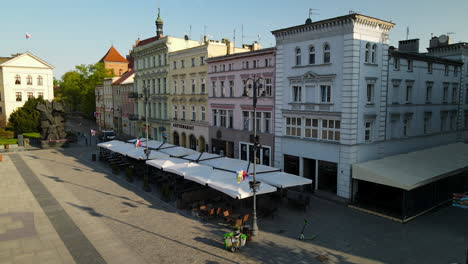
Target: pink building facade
<point>230,104</point>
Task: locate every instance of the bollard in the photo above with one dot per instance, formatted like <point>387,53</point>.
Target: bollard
<point>93,157</point>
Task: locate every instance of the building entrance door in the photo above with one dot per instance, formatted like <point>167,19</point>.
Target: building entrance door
<point>291,164</point>
<point>327,176</point>
<point>309,172</point>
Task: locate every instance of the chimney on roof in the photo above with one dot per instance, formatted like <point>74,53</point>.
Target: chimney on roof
<point>255,46</point>
<point>410,45</point>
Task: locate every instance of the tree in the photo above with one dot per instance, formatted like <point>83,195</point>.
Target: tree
<point>78,87</point>
<point>26,118</point>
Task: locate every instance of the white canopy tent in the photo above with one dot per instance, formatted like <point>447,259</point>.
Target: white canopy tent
<point>139,153</point>
<point>164,163</point>
<point>282,179</point>
<point>226,182</point>
<point>414,169</point>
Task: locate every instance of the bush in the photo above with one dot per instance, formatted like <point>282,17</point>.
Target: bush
<point>6,134</point>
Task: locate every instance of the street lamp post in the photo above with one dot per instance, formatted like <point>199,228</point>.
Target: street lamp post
<point>254,186</point>
<point>146,186</point>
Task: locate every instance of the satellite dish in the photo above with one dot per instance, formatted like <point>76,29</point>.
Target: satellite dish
<point>443,39</point>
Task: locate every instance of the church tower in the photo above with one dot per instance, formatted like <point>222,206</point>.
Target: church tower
<point>159,25</point>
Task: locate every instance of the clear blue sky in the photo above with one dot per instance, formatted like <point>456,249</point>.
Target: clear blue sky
<point>67,33</point>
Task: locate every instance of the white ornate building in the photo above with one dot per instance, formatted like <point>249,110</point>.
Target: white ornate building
<point>21,77</point>
<point>343,97</point>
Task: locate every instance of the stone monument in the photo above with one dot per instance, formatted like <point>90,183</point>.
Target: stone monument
<point>52,124</point>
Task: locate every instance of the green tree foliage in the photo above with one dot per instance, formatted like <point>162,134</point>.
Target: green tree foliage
<point>77,88</point>
<point>26,118</point>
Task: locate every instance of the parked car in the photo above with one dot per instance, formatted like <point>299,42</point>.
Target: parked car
<point>107,135</point>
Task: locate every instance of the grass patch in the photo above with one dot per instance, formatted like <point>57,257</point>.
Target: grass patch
<point>32,135</point>
<point>10,141</point>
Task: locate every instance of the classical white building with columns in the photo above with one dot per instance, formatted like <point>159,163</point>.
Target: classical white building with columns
<point>341,101</point>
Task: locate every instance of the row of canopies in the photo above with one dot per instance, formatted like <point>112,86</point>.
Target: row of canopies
<point>212,170</point>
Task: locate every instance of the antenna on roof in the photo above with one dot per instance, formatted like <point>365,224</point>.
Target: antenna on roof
<point>190,31</point>
<point>311,13</point>
<point>259,37</point>
<point>407,33</point>
<point>204,30</point>
<point>242,34</point>
<point>234,38</point>
<point>351,12</point>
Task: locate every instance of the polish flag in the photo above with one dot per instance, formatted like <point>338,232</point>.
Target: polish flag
<point>28,36</point>
<point>137,143</point>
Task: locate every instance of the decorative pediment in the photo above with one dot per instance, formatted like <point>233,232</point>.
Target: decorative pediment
<point>27,60</point>
<point>311,76</point>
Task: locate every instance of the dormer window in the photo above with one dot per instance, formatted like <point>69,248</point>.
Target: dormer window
<point>326,53</point>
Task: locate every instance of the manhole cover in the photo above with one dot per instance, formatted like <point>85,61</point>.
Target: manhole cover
<point>124,211</point>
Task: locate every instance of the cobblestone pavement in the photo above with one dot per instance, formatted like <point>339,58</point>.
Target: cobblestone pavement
<point>126,225</point>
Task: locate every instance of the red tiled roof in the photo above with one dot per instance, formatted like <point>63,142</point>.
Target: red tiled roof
<point>147,41</point>
<point>113,56</point>
<point>124,77</point>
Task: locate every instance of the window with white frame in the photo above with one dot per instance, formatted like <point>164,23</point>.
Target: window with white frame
<point>396,93</point>
<point>298,56</point>
<point>427,123</point>
<point>182,83</point>
<point>246,120</point>
<point>370,93</point>
<point>193,86</point>
<point>445,93</point>
<point>202,113</point>
<point>428,92</point>
<point>17,79</point>
<point>40,80</point>
<point>231,88</point>
<point>311,128</point>
<point>160,113</point>
<point>182,64</point>
<point>396,64</point>
<point>374,53</point>
<point>410,65</point>
<point>160,60</point>
<point>202,85</point>
<point>394,126</point>
<point>29,80</point>
<point>263,154</point>
<point>183,112</point>
<point>193,62</point>
<point>223,117</point>
<point>174,65</point>
<point>258,122</point>
<point>213,86</point>
<point>266,122</point>
<point>367,53</point>
<point>330,130</point>
<point>164,84</point>
<point>202,60</point>
<point>247,64</point>
<point>165,111</point>
<point>325,93</point>
<point>215,117</point>
<point>174,86</point>
<point>293,126</point>
<point>297,93</point>
<point>194,113</point>
<point>30,95</point>
<point>409,92</point>
<point>454,93</point>
<point>368,127</point>
<point>19,97</point>
<point>268,87</point>
<point>406,126</point>
<point>246,88</point>
<point>311,55</point>
<point>326,53</point>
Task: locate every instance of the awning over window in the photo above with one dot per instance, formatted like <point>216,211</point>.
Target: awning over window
<point>414,169</point>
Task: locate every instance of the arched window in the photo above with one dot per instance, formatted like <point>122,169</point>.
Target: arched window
<point>367,52</point>
<point>311,55</point>
<point>29,80</point>
<point>326,53</point>
<point>39,80</point>
<point>298,56</point>
<point>374,53</point>
<point>17,79</point>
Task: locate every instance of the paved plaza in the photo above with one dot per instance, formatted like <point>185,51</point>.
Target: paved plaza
<point>57,206</point>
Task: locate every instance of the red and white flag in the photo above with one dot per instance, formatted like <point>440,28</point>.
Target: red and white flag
<point>28,36</point>
<point>137,143</point>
